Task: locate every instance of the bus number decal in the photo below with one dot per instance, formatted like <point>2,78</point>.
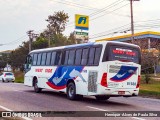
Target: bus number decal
<point>48,70</point>
<point>131,83</point>
<point>38,70</point>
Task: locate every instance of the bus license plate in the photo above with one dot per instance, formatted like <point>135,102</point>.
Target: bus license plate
<point>121,92</point>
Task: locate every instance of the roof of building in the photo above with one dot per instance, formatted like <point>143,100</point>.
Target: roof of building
<point>140,35</point>
<point>6,51</point>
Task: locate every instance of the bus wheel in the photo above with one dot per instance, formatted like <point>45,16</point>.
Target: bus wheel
<point>71,91</point>
<point>2,80</point>
<point>103,97</point>
<point>36,88</point>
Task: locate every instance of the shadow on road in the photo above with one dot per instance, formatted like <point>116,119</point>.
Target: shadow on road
<point>86,99</point>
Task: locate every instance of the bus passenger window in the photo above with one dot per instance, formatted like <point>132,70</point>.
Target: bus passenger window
<point>39,59</point>
<point>97,55</point>
<point>53,58</point>
<point>78,57</point>
<point>71,57</point>
<point>43,61</point>
<point>58,58</point>
<point>48,60</point>
<point>91,56</point>
<point>35,59</point>
<point>84,56</point>
<point>66,58</point>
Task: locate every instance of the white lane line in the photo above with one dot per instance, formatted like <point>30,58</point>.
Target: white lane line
<point>17,90</point>
<point>96,108</point>
<point>137,118</point>
<point>24,92</point>
<point>7,109</point>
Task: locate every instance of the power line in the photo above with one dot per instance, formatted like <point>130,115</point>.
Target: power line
<point>102,10</point>
<point>16,41</point>
<point>110,12</point>
<point>113,29</point>
<point>107,7</point>
<point>76,5</point>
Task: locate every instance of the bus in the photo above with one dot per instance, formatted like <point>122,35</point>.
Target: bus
<point>102,69</point>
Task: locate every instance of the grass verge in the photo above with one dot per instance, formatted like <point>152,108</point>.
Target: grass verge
<point>152,94</point>
<point>152,89</point>
<point>19,77</point>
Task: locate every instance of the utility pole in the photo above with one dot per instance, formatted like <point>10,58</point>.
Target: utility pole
<point>132,22</point>
<point>30,34</point>
<point>49,33</point>
<point>49,36</point>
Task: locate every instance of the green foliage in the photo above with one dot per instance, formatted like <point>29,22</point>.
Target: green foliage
<point>40,42</point>
<point>148,93</point>
<point>19,77</point>
<point>71,39</point>
<point>57,22</point>
<point>17,57</point>
<point>147,78</point>
<point>4,59</point>
<point>59,40</point>
<point>150,90</point>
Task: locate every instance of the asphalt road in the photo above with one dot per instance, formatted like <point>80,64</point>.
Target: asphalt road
<point>17,97</point>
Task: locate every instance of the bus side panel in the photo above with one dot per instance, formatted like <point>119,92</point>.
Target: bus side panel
<point>28,80</point>
<point>87,83</point>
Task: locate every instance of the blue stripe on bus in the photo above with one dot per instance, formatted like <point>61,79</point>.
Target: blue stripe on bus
<point>124,73</point>
<point>62,74</point>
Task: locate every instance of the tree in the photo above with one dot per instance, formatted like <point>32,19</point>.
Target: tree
<point>41,42</point>
<point>57,22</point>
<point>71,39</point>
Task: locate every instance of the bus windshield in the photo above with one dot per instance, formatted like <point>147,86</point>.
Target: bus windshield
<point>123,53</point>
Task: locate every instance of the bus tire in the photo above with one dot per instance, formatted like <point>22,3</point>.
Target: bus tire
<point>2,80</point>
<point>71,91</point>
<point>103,97</point>
<point>36,88</point>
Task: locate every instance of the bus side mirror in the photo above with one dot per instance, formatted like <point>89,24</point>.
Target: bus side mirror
<point>25,66</point>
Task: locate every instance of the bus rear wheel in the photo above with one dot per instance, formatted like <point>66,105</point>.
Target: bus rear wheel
<point>36,88</point>
<point>71,91</point>
<point>103,97</point>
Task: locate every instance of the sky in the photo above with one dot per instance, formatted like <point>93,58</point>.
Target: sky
<point>107,18</point>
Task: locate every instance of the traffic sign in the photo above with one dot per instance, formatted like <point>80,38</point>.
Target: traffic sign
<point>81,22</point>
<point>81,35</point>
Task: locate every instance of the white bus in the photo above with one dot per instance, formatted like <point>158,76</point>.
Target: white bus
<point>101,69</point>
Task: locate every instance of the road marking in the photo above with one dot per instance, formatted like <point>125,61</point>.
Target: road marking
<point>7,109</point>
<point>96,108</point>
<point>24,92</point>
<point>137,118</point>
<point>17,90</point>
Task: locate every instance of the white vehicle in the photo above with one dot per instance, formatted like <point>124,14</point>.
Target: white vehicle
<point>7,77</point>
<point>100,69</point>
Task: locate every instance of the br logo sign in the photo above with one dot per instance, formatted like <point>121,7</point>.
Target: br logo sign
<point>82,22</point>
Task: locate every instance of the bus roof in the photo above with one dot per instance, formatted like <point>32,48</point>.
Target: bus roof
<point>81,45</point>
